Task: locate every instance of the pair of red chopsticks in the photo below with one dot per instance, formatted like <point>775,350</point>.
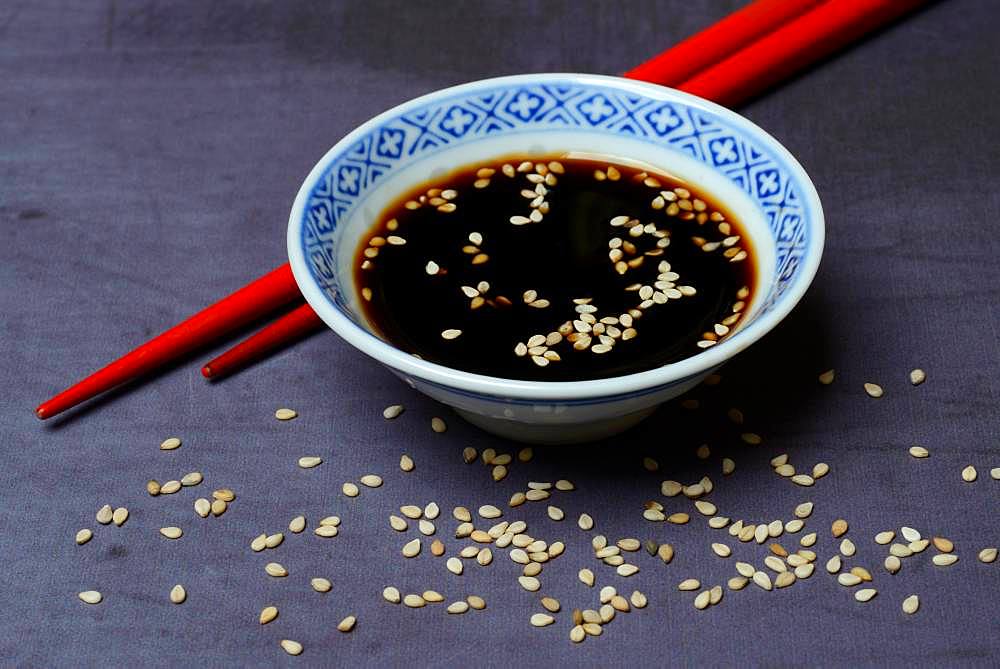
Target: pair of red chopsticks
<point>729,62</point>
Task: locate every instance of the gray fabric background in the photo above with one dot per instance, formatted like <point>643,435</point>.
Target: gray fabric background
<point>149,153</point>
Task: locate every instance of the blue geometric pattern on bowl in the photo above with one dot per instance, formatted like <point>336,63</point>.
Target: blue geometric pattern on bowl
<point>559,104</point>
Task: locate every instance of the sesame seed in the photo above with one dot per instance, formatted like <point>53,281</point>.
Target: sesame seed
<point>705,508</point>
<point>411,548</point>
<point>847,547</point>
<point>784,579</point>
<point>275,569</point>
<point>969,474</point>
<point>848,580</point>
<point>703,600</point>
<point>833,564</point>
<point>804,570</point>
<point>171,532</point>
<point>541,620</point>
<point>91,596</point>
<point>917,376</point>
<point>414,601</point>
<point>762,580</point>
<point>392,411</point>
<point>291,647</point>
<point>942,544</point>
<point>900,550</point>
<point>944,559</point>
<point>883,538</point>
<point>371,480</point>
<point>411,511</point>
<point>784,470</point>
<point>865,594</point>
<point>873,390</point>
<point>775,564</point>
<point>170,444</point>
<point>919,452</point>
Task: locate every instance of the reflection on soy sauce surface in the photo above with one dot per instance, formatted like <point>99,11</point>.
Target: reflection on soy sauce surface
<point>555,269</point>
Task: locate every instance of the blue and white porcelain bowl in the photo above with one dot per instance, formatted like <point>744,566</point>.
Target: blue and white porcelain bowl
<point>726,155</point>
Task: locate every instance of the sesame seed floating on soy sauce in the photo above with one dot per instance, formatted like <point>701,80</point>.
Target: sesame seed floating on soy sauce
<point>557,269</point>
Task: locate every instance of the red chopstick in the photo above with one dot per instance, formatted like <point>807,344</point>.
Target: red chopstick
<point>718,41</point>
<point>743,72</point>
<point>793,47</point>
<point>293,326</point>
<point>269,292</point>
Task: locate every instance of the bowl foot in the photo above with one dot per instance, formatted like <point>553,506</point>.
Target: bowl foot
<point>571,433</point>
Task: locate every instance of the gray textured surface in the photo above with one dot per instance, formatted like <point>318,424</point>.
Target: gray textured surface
<point>149,153</point>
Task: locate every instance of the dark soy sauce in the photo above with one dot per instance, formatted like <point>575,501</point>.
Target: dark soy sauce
<point>555,269</point>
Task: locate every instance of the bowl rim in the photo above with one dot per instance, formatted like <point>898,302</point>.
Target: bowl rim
<point>700,363</point>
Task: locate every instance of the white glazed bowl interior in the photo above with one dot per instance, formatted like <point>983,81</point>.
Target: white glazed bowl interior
<point>726,156</point>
